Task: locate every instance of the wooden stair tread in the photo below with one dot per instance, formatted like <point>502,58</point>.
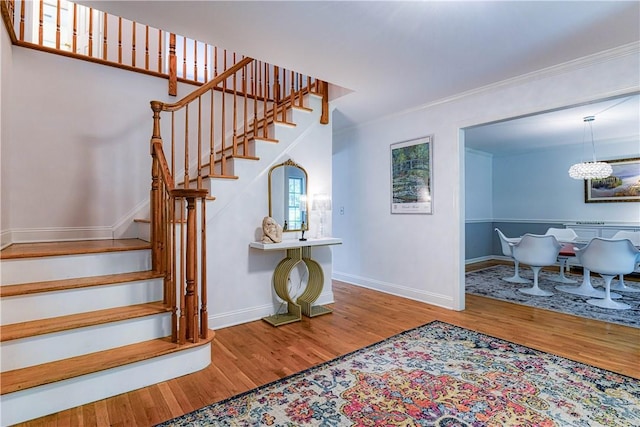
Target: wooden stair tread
<point>32,250</point>
<point>47,373</point>
<point>80,320</point>
<point>75,283</point>
<point>285,123</point>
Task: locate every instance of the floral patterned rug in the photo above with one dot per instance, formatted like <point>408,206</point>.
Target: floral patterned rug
<point>435,375</point>
<point>488,283</point>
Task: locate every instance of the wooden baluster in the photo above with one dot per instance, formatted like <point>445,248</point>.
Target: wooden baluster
<point>206,63</point>
<point>199,160</point>
<point>276,91</point>
<point>195,60</point>
<point>90,50</point>
<point>173,71</point>
<point>266,95</point>
<point>119,40</point>
<point>41,24</point>
<point>133,44</point>
<point>300,90</point>
<point>186,147</point>
<point>104,36</point>
<point>254,93</point>
<point>245,125</point>
<point>223,111</point>
<point>58,25</point>
<point>146,47</point>
<point>184,57</point>
<point>212,152</point>
<point>293,90</point>
<point>173,143</point>
<point>234,141</point>
<point>182,328</point>
<point>74,37</point>
<point>204,315</point>
<point>258,91</point>
<point>172,265</point>
<point>215,61</point>
<point>159,51</point>
<point>22,15</point>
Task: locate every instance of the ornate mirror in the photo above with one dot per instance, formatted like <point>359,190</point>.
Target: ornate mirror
<point>288,196</point>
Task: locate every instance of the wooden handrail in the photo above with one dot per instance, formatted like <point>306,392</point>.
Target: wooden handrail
<point>208,86</point>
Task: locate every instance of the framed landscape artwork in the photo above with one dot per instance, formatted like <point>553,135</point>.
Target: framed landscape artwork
<point>622,186</point>
<point>411,176</point>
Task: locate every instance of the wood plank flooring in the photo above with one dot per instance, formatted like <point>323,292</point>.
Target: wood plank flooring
<point>252,354</point>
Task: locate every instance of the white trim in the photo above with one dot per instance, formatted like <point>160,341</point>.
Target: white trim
<point>439,300</point>
<point>238,317</point>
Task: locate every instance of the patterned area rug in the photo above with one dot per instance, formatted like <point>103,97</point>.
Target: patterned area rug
<point>435,375</point>
<point>488,283</point>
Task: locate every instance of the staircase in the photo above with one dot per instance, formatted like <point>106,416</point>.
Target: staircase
<point>82,321</point>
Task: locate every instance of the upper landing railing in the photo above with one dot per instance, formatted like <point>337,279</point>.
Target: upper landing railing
<point>70,29</point>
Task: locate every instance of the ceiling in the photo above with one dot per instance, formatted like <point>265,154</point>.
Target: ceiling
<point>392,56</point>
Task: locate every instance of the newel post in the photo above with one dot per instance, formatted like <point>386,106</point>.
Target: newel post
<point>324,89</point>
<point>157,244</point>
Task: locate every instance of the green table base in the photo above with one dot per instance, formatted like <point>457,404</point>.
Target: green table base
<point>304,303</point>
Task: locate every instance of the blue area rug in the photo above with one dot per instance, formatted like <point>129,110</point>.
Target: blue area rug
<point>435,375</point>
<point>488,283</point>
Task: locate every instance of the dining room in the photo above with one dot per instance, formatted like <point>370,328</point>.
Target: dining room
<point>517,181</point>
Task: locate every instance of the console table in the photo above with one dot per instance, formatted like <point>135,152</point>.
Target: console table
<point>297,251</point>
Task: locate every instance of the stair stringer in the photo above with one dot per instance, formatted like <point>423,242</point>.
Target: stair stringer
<point>39,401</point>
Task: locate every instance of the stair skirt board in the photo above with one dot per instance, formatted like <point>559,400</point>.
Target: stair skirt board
<point>26,270</point>
<point>25,352</point>
<point>26,405</point>
<point>61,303</point>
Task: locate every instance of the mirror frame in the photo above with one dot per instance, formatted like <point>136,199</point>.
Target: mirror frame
<point>306,186</point>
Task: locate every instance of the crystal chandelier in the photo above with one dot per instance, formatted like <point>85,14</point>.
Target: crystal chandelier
<point>594,169</point>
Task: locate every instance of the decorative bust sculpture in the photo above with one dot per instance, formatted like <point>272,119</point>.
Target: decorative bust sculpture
<point>271,230</point>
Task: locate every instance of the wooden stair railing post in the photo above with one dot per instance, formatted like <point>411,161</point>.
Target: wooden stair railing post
<point>324,89</point>
<point>157,244</point>
<point>189,309</point>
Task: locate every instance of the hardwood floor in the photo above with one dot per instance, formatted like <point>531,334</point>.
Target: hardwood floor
<point>252,354</point>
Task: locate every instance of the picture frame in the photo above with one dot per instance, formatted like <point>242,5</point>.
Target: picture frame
<point>622,186</point>
<point>412,176</point>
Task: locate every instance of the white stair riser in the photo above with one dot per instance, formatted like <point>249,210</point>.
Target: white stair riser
<point>40,401</point>
<point>61,303</point>
<point>27,270</point>
<point>21,353</point>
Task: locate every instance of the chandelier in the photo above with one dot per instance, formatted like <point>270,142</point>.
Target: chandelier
<point>594,169</point>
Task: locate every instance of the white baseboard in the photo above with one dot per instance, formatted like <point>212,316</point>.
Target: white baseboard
<point>237,317</point>
<point>439,300</point>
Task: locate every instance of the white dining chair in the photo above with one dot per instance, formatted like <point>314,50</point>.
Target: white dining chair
<point>564,235</point>
<point>506,251</point>
<point>536,251</point>
<point>609,258</point>
<point>634,237</point>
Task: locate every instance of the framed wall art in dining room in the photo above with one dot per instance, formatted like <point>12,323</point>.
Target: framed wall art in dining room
<point>622,186</point>
<point>412,176</point>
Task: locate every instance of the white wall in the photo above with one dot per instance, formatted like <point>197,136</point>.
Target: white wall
<point>78,146</point>
<point>478,186</point>
<point>422,256</point>
<point>536,186</point>
<point>5,125</point>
